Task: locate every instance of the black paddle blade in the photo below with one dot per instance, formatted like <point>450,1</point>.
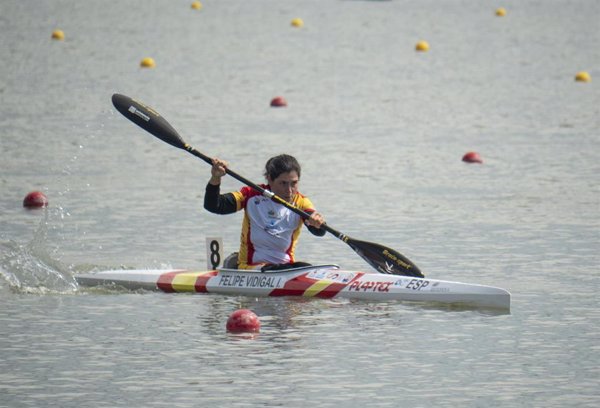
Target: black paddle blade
<point>385,260</point>
<point>148,119</point>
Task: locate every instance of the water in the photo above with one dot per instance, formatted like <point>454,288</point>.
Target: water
<point>379,129</point>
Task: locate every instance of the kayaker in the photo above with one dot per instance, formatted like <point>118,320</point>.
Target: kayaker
<point>269,230</point>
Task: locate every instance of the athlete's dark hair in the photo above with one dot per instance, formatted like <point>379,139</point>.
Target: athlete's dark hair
<point>284,163</point>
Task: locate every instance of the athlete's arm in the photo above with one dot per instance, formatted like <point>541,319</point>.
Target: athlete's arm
<point>314,223</point>
<point>219,203</point>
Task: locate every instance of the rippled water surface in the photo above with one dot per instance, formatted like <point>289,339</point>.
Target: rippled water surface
<point>380,131</point>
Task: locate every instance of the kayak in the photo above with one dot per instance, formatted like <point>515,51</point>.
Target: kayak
<point>320,281</point>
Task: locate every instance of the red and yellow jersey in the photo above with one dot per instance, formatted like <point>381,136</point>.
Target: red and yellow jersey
<point>269,230</point>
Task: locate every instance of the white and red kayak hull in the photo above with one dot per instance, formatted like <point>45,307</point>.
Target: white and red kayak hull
<point>323,281</point>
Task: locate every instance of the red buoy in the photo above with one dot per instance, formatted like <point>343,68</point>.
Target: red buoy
<point>278,102</point>
<point>243,321</point>
<point>472,157</point>
<point>35,199</point>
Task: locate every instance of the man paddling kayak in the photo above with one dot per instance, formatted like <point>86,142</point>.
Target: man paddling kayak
<point>270,230</point>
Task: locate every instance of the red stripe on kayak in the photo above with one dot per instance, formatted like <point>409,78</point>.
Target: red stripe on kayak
<point>165,281</point>
<point>294,287</point>
<point>200,285</point>
<point>335,288</point>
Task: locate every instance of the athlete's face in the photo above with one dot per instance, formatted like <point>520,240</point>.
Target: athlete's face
<point>286,185</point>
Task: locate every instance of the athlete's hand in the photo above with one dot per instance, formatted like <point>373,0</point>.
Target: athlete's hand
<point>218,170</point>
<point>315,220</point>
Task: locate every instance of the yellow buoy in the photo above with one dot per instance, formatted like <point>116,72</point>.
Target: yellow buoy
<point>58,35</point>
<point>196,5</point>
<point>297,22</point>
<point>501,12</point>
<point>583,77</point>
<point>422,46</point>
<point>147,63</point>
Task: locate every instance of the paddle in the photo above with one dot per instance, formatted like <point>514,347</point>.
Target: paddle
<point>384,260</point>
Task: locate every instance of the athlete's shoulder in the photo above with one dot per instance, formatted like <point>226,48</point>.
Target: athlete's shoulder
<point>242,196</point>
<point>248,192</point>
<point>304,202</point>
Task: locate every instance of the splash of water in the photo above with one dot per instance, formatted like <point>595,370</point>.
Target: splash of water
<point>30,268</point>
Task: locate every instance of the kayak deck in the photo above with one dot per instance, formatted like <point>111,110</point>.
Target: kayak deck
<point>322,281</point>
